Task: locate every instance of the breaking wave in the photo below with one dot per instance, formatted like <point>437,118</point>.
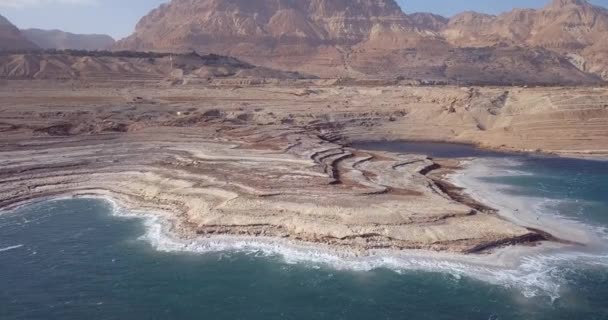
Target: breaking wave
<point>534,275</point>
<point>11,248</point>
<point>535,272</point>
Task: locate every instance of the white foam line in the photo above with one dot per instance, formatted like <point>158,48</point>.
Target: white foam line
<point>11,248</point>
<point>535,273</point>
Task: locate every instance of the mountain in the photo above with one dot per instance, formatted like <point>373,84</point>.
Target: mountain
<point>573,28</point>
<point>330,22</point>
<point>311,35</point>
<point>375,38</point>
<point>11,38</point>
<point>56,39</point>
<point>562,25</point>
<point>126,65</point>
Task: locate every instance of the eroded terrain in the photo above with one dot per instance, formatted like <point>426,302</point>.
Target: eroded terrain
<point>236,159</point>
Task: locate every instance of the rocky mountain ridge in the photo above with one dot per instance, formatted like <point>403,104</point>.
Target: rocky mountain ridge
<point>345,38</point>
<point>57,39</point>
<point>103,66</point>
<point>560,43</point>
<point>575,29</point>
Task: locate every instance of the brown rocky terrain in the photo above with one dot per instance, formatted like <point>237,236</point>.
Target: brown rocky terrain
<point>307,35</point>
<point>11,38</point>
<point>117,66</point>
<point>374,38</point>
<point>563,120</point>
<point>57,39</point>
<point>573,28</point>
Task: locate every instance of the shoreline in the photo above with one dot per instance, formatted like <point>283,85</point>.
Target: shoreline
<point>519,212</point>
<point>513,266</point>
<point>590,155</point>
<point>375,176</point>
<point>502,256</point>
<point>382,175</point>
<point>298,186</point>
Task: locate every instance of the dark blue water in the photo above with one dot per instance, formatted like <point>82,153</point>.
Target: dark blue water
<point>72,259</point>
<point>432,149</point>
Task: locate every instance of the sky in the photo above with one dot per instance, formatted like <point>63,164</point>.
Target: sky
<point>118,17</point>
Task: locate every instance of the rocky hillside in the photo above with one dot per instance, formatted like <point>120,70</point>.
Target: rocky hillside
<point>376,38</point>
<point>11,38</point>
<point>187,23</point>
<point>118,66</point>
<point>311,35</point>
<point>56,39</point>
<point>575,29</point>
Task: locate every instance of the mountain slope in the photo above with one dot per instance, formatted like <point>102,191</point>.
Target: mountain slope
<point>573,28</point>
<point>125,65</point>
<point>183,22</point>
<point>374,38</point>
<point>56,39</point>
<point>309,35</point>
<point>11,38</point>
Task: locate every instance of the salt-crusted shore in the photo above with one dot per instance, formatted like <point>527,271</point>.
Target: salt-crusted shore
<point>521,210</point>
<point>271,167</point>
<point>284,184</point>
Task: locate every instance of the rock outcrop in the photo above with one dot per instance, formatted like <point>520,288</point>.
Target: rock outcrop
<point>310,35</point>
<point>113,66</point>
<point>337,38</point>
<point>575,29</point>
<point>429,21</point>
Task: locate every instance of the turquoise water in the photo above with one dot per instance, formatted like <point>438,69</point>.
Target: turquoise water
<point>577,189</point>
<point>72,259</point>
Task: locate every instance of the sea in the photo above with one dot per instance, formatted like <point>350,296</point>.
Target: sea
<point>87,258</point>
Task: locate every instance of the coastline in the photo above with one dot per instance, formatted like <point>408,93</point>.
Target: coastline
<point>516,209</point>
<point>299,187</point>
<point>591,155</point>
<point>283,174</point>
<point>371,170</point>
<point>257,171</point>
<point>519,267</point>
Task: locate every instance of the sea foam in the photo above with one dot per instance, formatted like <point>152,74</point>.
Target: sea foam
<point>11,248</point>
<point>536,273</point>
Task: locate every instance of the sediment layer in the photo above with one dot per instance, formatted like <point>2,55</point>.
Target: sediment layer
<point>303,188</point>
<point>253,161</point>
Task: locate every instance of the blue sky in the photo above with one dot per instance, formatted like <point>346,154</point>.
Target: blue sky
<point>118,17</point>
